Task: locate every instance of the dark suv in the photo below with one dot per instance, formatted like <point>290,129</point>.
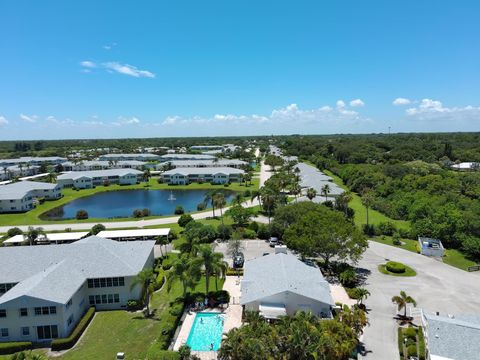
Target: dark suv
<point>238,261</point>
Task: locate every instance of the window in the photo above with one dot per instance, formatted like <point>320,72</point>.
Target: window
<point>70,320</point>
<point>45,310</point>
<point>109,282</point>
<point>116,298</point>
<point>90,283</point>
<point>38,311</point>
<point>104,298</point>
<point>47,332</point>
<point>103,282</point>
<point>115,281</point>
<point>4,332</point>
<point>110,298</point>
<point>98,299</point>
<point>91,299</point>
<point>25,331</point>
<point>5,287</point>
<point>23,312</point>
<point>121,281</point>
<point>53,310</point>
<point>96,282</point>
<point>3,313</point>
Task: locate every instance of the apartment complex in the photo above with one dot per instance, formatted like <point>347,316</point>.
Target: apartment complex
<point>45,290</point>
<point>215,175</point>
<point>89,179</point>
<point>21,196</point>
<point>89,165</point>
<point>234,163</point>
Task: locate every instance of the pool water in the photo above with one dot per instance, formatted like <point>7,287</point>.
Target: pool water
<point>206,330</point>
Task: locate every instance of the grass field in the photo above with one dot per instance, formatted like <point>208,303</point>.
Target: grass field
<point>32,217</point>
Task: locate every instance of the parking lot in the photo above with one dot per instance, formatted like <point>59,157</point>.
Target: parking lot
<point>251,249</point>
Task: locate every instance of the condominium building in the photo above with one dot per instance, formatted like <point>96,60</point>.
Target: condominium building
<point>89,179</point>
<point>127,157</point>
<point>216,175</point>
<point>21,196</point>
<point>234,163</point>
<point>89,165</point>
<point>45,290</point>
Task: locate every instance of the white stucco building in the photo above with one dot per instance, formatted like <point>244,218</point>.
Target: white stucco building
<point>215,175</point>
<point>125,157</point>
<point>89,179</point>
<point>21,196</point>
<point>89,165</point>
<point>45,290</point>
<point>280,284</point>
<point>234,163</point>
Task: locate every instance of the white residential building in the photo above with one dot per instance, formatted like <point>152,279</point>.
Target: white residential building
<point>21,196</point>
<point>234,163</point>
<point>216,175</point>
<point>89,179</point>
<point>45,290</point>
<point>280,284</point>
<point>51,160</point>
<point>14,171</point>
<point>466,166</point>
<point>89,165</point>
<point>126,157</point>
<point>173,157</point>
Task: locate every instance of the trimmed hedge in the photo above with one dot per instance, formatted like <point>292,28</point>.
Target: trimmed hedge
<point>68,342</point>
<point>395,267</point>
<point>234,272</point>
<point>13,347</point>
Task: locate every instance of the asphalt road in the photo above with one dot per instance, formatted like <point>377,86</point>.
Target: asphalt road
<point>437,287</point>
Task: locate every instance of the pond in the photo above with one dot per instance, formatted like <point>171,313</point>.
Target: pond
<point>114,204</point>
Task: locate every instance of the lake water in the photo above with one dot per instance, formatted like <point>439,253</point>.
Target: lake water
<point>122,203</point>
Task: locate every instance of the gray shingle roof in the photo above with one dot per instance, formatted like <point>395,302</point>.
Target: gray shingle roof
<point>310,177</point>
<point>456,338</point>
<point>98,173</point>
<point>54,272</point>
<point>207,162</point>
<point>168,157</point>
<point>105,163</point>
<point>18,190</point>
<point>277,273</point>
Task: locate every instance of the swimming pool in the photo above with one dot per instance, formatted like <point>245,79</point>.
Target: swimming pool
<point>206,330</point>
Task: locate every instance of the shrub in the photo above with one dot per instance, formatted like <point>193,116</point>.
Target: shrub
<point>410,333</point>
<point>400,342</point>
<point>96,229</point>
<point>352,293</point>
<point>13,347</point>
<point>348,278</point>
<point>81,215</point>
<point>368,229</point>
<point>387,228</point>
<point>224,231</point>
<point>133,304</point>
<point>396,239</point>
<point>249,234</point>
<point>234,272</point>
<point>184,220</point>
<point>201,206</point>
<point>247,194</point>
<point>14,231</point>
<point>176,309</point>
<point>137,213</point>
<point>263,232</point>
<point>146,212</point>
<point>179,210</point>
<point>253,226</point>
<point>160,280</point>
<point>68,342</point>
<point>395,267</point>
<point>184,352</point>
<point>412,350</point>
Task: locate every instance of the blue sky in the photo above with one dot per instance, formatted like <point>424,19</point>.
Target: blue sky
<point>93,69</point>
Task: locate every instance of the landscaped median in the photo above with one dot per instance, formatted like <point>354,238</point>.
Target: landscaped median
<point>396,269</point>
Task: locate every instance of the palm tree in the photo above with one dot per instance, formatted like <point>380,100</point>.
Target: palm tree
<point>27,356</point>
<point>342,200</point>
<point>211,261</point>
<point>326,191</point>
<point>402,301</point>
<point>362,294</point>
<point>247,177</point>
<point>367,200</point>
<point>268,202</point>
<point>145,278</point>
<point>219,202</point>
<point>146,175</point>
<point>183,270</point>
<point>210,198</point>
<point>51,177</point>
<point>32,234</point>
<point>238,199</point>
<point>256,195</point>
<point>311,193</point>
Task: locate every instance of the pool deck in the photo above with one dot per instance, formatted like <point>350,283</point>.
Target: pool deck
<point>233,318</point>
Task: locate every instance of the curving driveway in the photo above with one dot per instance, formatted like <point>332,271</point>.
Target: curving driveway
<point>437,287</point>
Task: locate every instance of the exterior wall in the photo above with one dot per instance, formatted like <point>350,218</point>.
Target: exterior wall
<point>293,303</point>
<point>52,194</point>
<point>79,304</point>
<point>83,183</point>
<point>178,179</point>
<point>129,179</point>
<point>17,205</point>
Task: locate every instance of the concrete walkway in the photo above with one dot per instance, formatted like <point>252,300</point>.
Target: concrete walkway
<point>437,287</point>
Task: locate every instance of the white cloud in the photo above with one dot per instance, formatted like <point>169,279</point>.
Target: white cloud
<point>109,46</point>
<point>401,101</point>
<point>29,118</point>
<point>121,121</point>
<point>435,110</point>
<point>3,121</point>
<point>127,69</point>
<point>357,103</point>
<point>287,116</point>
<point>88,64</point>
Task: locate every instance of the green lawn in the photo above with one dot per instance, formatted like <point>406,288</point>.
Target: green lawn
<point>407,244</point>
<point>32,216</point>
<point>456,258</point>
<point>375,217</point>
